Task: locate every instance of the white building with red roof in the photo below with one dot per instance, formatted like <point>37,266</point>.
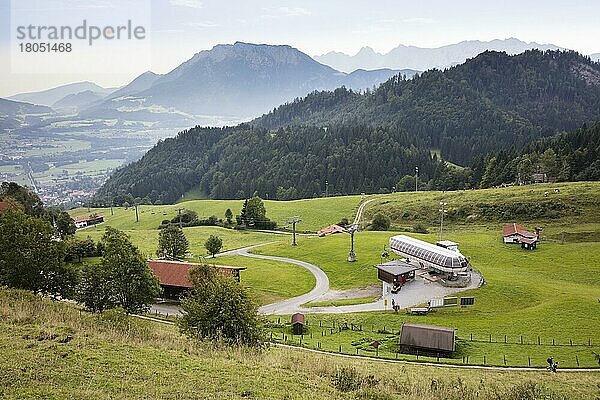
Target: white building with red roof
<point>515,233</point>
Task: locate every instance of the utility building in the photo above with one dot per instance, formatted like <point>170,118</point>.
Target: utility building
<point>427,339</point>
<point>394,274</point>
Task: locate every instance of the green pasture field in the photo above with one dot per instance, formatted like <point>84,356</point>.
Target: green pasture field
<point>50,349</point>
<point>147,239</point>
<point>315,213</point>
<point>54,147</point>
<point>270,281</point>
<point>576,202</point>
<point>552,292</point>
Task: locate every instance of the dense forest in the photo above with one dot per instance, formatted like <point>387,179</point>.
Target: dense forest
<point>491,102</point>
<point>572,156</point>
<point>289,163</point>
<point>498,115</point>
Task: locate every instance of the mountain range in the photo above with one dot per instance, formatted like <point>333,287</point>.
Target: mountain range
<point>51,97</point>
<point>421,59</point>
<point>241,80</point>
<point>227,83</point>
<point>369,141</point>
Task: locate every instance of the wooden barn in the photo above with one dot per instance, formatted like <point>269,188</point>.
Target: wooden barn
<point>427,339</point>
<point>174,276</point>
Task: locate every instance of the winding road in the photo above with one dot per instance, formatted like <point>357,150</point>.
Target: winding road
<point>292,305</point>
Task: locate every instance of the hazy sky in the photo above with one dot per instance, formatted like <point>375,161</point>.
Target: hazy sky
<point>180,28</point>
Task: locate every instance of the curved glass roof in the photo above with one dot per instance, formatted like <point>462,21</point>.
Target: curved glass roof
<point>426,251</point>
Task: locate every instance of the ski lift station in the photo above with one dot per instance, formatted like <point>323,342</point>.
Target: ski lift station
<point>438,263</point>
<point>442,257</point>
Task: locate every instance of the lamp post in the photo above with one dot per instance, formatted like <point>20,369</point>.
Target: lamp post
<point>416,179</point>
<point>442,211</point>
<point>326,189</point>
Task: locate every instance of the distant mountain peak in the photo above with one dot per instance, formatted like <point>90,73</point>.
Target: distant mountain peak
<point>420,58</point>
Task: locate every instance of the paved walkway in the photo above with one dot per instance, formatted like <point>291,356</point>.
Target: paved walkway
<point>292,305</point>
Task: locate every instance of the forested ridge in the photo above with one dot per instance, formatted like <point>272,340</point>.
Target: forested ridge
<point>288,163</point>
<point>491,102</point>
<point>571,156</point>
<point>481,114</point>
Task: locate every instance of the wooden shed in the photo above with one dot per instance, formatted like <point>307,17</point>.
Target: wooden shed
<point>427,339</point>
<point>298,324</point>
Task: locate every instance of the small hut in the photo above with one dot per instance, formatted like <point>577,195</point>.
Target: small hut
<point>298,324</point>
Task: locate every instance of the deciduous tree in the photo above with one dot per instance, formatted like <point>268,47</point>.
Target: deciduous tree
<point>213,244</point>
<point>219,308</point>
<point>172,243</point>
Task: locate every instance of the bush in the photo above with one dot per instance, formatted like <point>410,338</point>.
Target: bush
<point>420,228</point>
<point>347,379</point>
<point>380,222</point>
<point>219,308</point>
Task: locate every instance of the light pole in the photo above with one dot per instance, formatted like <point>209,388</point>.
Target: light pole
<point>326,189</point>
<point>416,179</point>
<point>442,211</point>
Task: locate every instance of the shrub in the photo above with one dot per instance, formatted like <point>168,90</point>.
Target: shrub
<point>219,308</point>
<point>380,222</point>
<point>347,379</point>
<point>420,228</point>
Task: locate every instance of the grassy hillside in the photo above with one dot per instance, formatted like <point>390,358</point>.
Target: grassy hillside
<point>52,350</point>
<point>315,213</point>
<point>551,292</point>
<point>577,202</point>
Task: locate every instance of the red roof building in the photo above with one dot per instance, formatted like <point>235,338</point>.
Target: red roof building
<point>174,276</point>
<point>330,230</point>
<point>515,233</point>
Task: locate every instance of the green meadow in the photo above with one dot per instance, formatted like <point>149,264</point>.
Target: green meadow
<point>529,299</point>
<point>50,349</point>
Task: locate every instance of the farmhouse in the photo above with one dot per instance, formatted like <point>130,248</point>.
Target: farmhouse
<point>174,276</point>
<point>516,234</point>
<point>93,219</point>
<point>429,339</point>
